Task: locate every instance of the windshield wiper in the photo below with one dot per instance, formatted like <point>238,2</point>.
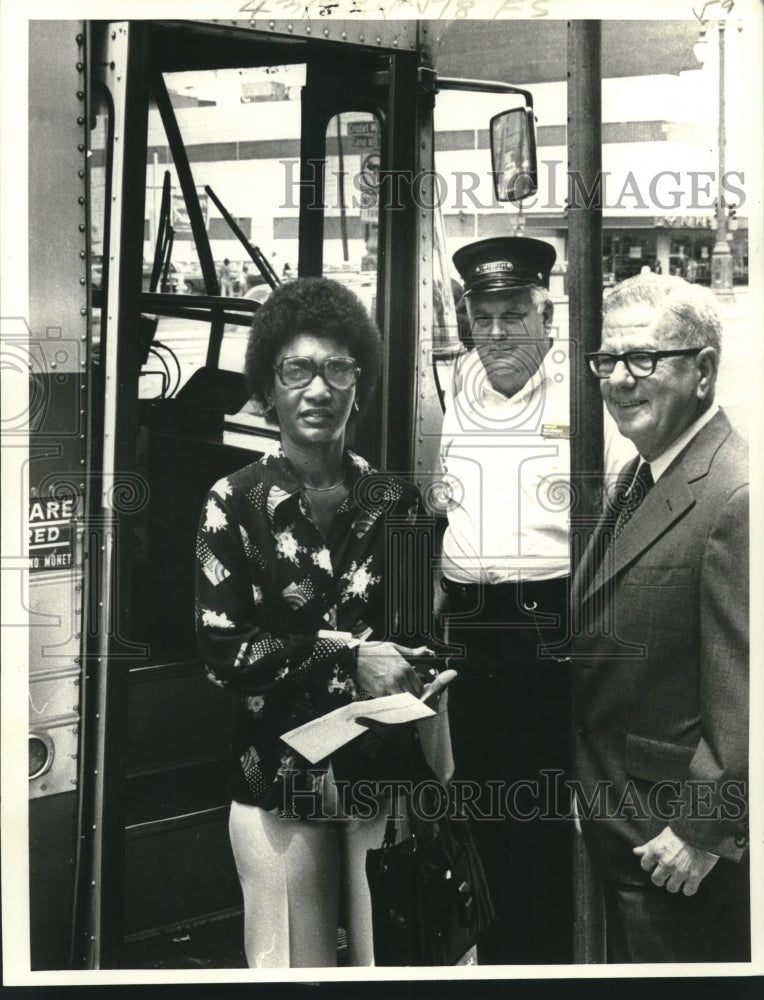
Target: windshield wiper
<point>255,253</point>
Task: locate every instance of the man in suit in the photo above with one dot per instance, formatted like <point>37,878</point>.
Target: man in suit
<point>660,649</point>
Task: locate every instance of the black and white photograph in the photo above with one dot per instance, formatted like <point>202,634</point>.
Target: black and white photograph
<point>380,586</point>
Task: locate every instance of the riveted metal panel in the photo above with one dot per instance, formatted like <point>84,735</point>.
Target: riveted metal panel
<point>51,346</point>
<point>58,225</point>
<point>62,774</point>
<point>54,628</point>
<point>56,340</point>
<point>54,695</point>
<point>392,34</point>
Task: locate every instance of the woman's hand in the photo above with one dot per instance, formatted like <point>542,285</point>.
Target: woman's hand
<point>382,669</point>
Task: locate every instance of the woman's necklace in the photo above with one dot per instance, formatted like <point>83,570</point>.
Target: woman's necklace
<point>323,489</point>
<point>322,505</point>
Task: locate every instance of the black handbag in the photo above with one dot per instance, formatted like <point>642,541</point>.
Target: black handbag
<point>429,896</point>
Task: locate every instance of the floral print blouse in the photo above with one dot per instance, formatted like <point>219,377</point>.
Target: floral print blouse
<point>267,583</point>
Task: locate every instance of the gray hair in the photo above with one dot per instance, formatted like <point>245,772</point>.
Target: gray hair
<point>540,296</point>
<point>688,314</point>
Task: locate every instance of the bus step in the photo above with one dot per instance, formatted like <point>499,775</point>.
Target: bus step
<point>217,944</point>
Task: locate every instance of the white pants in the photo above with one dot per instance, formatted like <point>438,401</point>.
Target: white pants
<point>292,873</point>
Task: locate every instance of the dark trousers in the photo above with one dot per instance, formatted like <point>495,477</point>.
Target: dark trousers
<point>509,712</point>
<point>650,924</point>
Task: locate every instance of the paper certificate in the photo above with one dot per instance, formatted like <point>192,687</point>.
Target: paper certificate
<point>321,737</point>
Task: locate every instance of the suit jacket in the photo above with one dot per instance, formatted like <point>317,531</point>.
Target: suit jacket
<point>660,658</point>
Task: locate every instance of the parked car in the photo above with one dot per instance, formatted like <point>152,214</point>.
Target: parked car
<point>170,285</point>
<point>249,279</point>
<point>192,281</point>
<point>258,292</point>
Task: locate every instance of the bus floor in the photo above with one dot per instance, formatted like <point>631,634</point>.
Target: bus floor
<point>218,944</point>
<point>214,945</point>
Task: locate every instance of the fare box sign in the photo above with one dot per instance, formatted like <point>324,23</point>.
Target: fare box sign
<point>51,533</point>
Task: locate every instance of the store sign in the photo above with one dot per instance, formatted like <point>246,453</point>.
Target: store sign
<point>363,135</point>
<point>691,221</point>
<point>51,534</point>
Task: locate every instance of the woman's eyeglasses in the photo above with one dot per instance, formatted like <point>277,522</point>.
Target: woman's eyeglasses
<point>639,364</point>
<point>296,372</point>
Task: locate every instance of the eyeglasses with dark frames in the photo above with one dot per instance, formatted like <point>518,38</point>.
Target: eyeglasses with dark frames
<point>639,364</point>
<point>295,372</point>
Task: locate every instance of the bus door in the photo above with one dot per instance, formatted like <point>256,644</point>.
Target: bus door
<point>361,124</point>
<point>180,171</point>
<point>219,152</point>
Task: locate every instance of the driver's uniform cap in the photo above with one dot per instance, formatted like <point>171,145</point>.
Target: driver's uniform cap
<point>504,262</point>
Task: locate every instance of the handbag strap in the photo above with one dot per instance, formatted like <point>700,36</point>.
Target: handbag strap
<point>415,824</point>
<point>391,833</point>
<point>420,772</point>
<point>391,827</point>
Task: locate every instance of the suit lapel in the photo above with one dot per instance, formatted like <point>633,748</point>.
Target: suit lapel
<point>666,502</point>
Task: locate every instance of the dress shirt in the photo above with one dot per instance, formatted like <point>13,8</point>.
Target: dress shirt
<point>508,463</point>
<point>659,465</point>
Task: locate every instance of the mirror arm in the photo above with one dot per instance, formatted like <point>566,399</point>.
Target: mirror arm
<point>484,86</point>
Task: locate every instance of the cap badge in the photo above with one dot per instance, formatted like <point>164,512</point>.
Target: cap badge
<point>499,265</point>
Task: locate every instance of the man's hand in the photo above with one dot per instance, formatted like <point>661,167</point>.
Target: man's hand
<point>382,669</point>
<point>675,863</point>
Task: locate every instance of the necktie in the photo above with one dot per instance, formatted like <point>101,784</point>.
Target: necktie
<point>636,493</point>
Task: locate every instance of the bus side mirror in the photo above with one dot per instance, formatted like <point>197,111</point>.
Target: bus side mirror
<point>513,154</point>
